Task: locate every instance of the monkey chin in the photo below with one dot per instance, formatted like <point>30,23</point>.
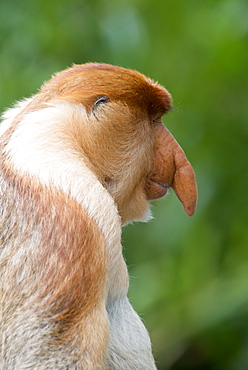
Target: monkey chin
<point>138,210</point>
<point>139,207</point>
<point>146,216</point>
<point>143,217</point>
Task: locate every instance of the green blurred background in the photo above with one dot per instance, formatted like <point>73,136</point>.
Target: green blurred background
<point>189,275</point>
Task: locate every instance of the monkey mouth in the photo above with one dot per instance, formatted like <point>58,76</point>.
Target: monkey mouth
<point>162,188</point>
<point>155,189</point>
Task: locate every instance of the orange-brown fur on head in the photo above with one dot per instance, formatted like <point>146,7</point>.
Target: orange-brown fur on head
<point>119,138</point>
<point>85,83</point>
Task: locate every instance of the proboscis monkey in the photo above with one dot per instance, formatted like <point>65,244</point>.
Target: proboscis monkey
<point>79,159</point>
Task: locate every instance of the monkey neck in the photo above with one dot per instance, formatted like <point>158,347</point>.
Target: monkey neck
<point>41,151</point>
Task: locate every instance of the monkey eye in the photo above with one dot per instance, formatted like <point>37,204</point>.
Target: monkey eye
<point>100,100</point>
<point>157,119</point>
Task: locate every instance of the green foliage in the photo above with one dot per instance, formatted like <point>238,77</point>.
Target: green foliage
<point>189,275</point>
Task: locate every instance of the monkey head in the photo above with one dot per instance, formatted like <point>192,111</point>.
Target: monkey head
<point>120,135</point>
<point>134,156</point>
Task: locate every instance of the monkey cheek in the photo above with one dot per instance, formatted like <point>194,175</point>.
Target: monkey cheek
<point>155,190</point>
